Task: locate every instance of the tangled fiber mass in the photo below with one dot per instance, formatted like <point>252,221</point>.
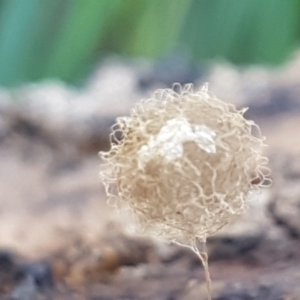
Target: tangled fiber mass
<point>184,164</point>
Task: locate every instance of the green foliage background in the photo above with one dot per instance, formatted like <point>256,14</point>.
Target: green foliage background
<point>65,38</point>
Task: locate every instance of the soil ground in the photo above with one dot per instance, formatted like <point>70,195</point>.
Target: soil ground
<point>60,240</point>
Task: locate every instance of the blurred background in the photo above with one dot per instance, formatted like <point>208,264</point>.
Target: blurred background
<point>68,68</point>
<point>68,39</point>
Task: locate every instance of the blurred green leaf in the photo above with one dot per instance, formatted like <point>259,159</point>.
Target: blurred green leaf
<point>243,31</point>
<point>51,17</point>
<point>18,24</point>
<point>83,28</point>
<point>276,33</point>
<point>121,28</point>
<point>159,27</point>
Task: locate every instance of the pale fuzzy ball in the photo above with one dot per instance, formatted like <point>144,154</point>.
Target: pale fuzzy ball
<point>184,163</point>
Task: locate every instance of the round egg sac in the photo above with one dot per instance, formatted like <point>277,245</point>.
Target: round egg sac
<point>184,164</point>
